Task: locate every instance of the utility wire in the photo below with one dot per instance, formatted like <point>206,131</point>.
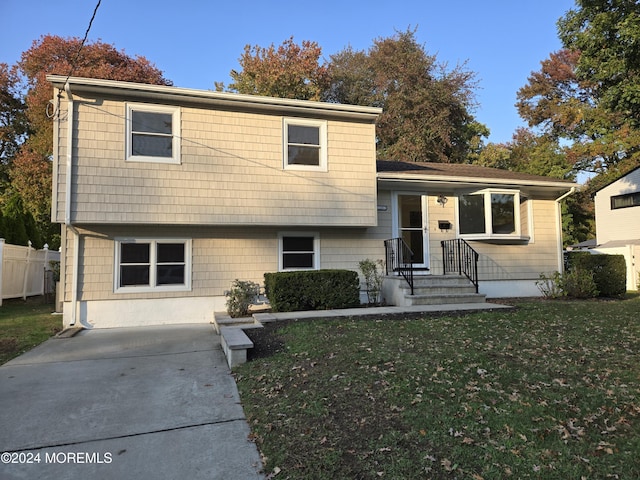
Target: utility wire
<point>75,60</point>
<point>86,34</point>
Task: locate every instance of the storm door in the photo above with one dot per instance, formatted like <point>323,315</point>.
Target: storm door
<point>412,226</point>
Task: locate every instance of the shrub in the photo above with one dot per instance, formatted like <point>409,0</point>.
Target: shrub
<point>312,290</point>
<point>609,271</point>
<point>372,279</point>
<point>576,283</point>
<point>579,283</point>
<point>550,287</point>
<point>240,297</point>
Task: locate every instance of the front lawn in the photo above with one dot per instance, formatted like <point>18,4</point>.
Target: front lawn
<point>25,324</point>
<point>550,391</point>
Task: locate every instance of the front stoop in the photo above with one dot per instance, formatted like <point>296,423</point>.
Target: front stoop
<point>430,290</point>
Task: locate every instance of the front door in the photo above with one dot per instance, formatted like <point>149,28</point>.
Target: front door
<point>411,225</point>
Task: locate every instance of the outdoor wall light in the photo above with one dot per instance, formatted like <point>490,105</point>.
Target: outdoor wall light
<point>442,200</point>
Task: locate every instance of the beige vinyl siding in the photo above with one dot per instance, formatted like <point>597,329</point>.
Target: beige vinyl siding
<point>219,256</point>
<point>621,223</point>
<point>231,173</point>
<point>526,260</point>
<point>502,261</point>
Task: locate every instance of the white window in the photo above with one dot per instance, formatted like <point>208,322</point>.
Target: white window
<point>489,214</point>
<point>152,265</point>
<point>305,144</point>
<point>298,251</point>
<point>153,133</point>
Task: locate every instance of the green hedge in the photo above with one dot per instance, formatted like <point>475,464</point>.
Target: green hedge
<point>312,290</point>
<point>609,271</point>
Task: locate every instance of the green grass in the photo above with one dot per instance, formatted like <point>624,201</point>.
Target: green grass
<point>550,391</point>
<point>25,324</point>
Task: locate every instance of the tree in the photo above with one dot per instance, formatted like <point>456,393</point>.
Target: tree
<point>589,93</point>
<point>528,153</point>
<point>13,121</point>
<point>290,71</point>
<point>426,107</point>
<point>30,170</point>
<point>606,33</point>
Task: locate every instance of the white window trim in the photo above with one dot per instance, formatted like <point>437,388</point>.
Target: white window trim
<point>186,287</point>
<point>517,235</point>
<point>322,125</point>
<point>316,250</point>
<point>175,124</point>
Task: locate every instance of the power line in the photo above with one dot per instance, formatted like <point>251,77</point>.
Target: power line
<point>86,34</point>
<point>75,60</point>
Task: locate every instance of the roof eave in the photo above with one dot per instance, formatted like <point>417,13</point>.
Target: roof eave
<point>163,93</point>
<point>480,181</point>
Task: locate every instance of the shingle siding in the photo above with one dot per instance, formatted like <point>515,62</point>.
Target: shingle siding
<point>231,172</point>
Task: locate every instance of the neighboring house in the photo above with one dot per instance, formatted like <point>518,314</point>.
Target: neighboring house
<point>168,194</point>
<point>617,207</point>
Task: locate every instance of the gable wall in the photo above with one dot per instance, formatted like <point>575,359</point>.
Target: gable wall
<point>622,223</point>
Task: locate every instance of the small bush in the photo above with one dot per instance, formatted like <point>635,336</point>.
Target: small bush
<point>579,283</point>
<point>312,290</point>
<point>550,287</point>
<point>372,279</point>
<point>240,297</point>
<point>609,271</point>
<point>575,283</point>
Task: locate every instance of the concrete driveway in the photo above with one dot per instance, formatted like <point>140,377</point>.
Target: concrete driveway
<point>151,402</point>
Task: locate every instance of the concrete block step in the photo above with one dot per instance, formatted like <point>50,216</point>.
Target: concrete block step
<point>444,299</point>
<point>440,289</point>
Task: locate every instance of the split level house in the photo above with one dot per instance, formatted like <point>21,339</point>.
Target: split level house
<point>167,195</point>
<point>617,208</point>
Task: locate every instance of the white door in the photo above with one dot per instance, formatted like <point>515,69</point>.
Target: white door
<point>412,226</point>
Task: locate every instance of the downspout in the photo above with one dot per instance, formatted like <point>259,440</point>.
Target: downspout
<point>67,207</point>
<point>559,227</point>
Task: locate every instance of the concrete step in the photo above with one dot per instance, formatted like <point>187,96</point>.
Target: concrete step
<point>439,289</point>
<point>222,319</point>
<point>444,299</point>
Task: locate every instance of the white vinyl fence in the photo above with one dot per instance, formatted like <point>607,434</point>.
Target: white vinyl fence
<point>25,271</point>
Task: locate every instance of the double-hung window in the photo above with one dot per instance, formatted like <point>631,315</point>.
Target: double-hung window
<point>299,251</point>
<point>489,214</point>
<point>153,133</point>
<point>305,144</point>
<point>152,265</point>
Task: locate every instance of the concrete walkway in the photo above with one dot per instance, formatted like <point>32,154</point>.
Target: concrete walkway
<point>373,311</point>
<point>125,403</point>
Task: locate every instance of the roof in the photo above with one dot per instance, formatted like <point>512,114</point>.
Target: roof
<point>170,94</point>
<point>619,178</point>
<point>457,172</point>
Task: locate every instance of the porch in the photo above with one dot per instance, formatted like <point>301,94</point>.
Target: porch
<point>404,285</point>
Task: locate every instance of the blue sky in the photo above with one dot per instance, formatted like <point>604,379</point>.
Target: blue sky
<point>198,42</point>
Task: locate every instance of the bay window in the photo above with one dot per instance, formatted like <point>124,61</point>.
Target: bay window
<point>489,214</point>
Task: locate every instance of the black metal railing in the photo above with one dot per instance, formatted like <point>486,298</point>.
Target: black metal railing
<point>399,259</point>
<point>458,257</point>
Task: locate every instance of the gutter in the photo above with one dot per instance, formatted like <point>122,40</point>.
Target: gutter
<point>455,181</point>
<point>164,93</point>
<point>559,226</point>
<point>67,207</point>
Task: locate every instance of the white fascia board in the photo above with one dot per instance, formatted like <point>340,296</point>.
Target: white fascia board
<point>457,181</point>
<point>165,93</point>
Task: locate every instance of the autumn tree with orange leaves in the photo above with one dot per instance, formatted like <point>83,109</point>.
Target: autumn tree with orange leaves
<point>27,152</point>
<point>289,71</point>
